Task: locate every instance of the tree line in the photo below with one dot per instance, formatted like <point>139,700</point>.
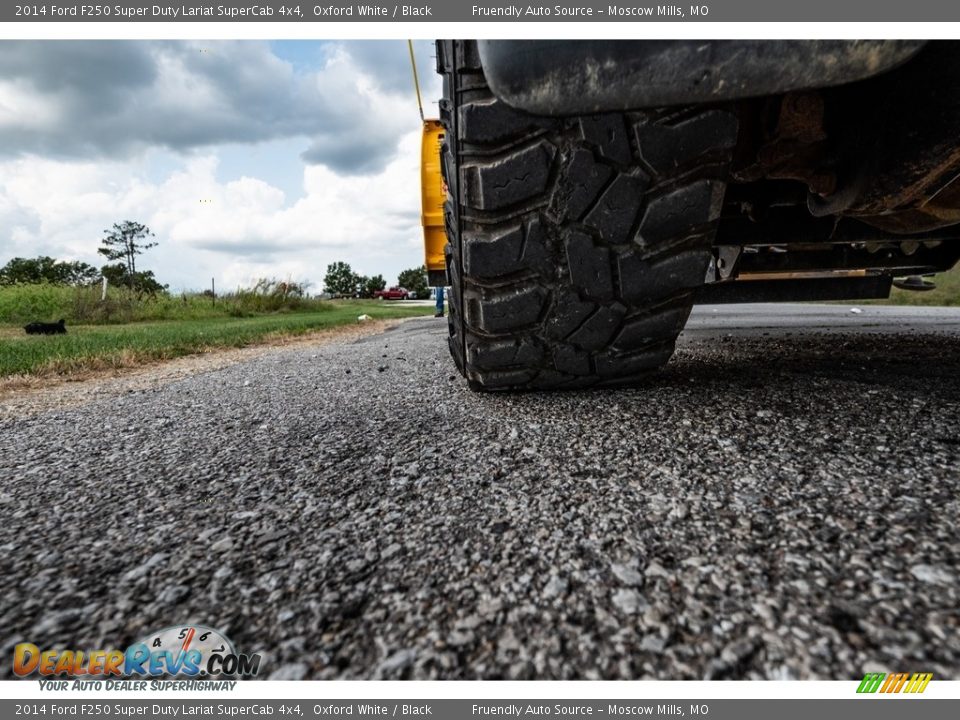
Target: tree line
<point>120,244</point>
<point>342,281</point>
<point>124,242</point>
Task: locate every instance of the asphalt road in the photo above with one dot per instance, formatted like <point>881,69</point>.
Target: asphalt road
<point>780,502</point>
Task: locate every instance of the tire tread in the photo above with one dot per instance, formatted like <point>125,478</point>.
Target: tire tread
<point>575,244</point>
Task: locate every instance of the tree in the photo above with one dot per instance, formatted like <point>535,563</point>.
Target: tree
<point>46,269</point>
<point>142,282</point>
<point>77,273</point>
<point>373,284</point>
<point>360,285</point>
<point>340,279</point>
<point>365,287</point>
<point>415,279</point>
<point>124,243</point>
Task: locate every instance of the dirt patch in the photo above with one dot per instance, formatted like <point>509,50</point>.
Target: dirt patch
<point>28,394</point>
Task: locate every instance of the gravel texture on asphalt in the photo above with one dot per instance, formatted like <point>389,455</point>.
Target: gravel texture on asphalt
<point>777,503</point>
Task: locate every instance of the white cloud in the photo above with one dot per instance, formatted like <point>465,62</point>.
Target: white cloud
<point>86,156</point>
<point>85,99</point>
<point>23,107</point>
<point>236,231</point>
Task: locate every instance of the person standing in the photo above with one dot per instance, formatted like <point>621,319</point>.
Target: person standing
<point>439,294</point>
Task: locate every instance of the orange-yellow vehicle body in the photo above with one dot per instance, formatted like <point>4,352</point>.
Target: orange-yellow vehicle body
<point>432,197</point>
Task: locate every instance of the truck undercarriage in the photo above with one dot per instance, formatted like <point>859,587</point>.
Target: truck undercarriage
<point>596,190</point>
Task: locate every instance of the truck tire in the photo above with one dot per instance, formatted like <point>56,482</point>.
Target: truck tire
<point>574,244</point>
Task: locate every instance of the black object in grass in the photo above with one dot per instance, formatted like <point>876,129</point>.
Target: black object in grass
<point>42,328</point>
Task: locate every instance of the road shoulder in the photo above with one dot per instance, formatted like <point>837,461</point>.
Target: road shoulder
<point>22,395</point>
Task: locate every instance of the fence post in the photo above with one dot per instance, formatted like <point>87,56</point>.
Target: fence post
<point>103,291</point>
<point>213,291</point>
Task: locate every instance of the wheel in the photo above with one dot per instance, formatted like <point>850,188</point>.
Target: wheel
<point>574,244</point>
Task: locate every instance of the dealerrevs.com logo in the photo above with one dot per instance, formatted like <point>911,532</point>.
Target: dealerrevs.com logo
<point>181,650</point>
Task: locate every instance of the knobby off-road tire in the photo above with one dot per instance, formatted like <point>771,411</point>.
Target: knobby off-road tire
<point>575,244</point>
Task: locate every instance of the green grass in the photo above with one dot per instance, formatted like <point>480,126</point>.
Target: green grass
<point>25,303</point>
<point>87,347</point>
<point>20,304</point>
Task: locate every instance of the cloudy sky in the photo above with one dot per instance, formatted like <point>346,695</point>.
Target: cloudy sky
<point>247,159</point>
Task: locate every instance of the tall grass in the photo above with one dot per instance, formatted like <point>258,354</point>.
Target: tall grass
<point>82,305</point>
<point>25,303</point>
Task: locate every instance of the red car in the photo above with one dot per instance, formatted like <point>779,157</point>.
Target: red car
<point>394,293</point>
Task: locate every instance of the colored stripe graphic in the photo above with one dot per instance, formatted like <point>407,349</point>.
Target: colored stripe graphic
<point>919,682</point>
<point>870,683</point>
<point>895,682</point>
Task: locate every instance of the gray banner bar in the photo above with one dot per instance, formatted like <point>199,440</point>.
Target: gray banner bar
<point>628,11</point>
<point>874,708</point>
